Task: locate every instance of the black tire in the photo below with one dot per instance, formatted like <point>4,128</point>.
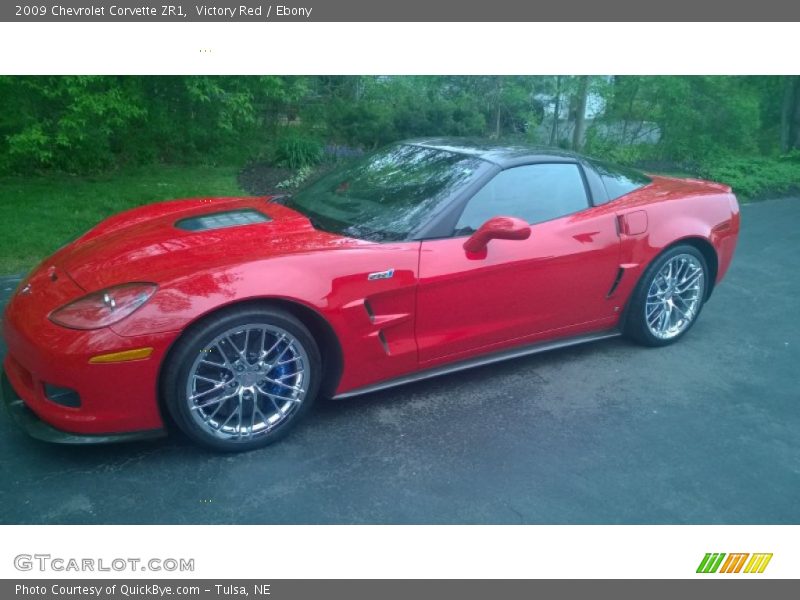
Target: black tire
<point>182,361</point>
<point>636,327</point>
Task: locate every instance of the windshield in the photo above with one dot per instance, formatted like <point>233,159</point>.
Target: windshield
<point>386,196</point>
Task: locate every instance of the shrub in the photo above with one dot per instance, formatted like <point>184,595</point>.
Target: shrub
<point>755,178</point>
<point>297,151</point>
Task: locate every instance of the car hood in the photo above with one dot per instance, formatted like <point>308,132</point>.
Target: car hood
<point>165,240</point>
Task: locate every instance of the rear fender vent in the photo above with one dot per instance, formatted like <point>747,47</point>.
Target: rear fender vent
<point>221,220</point>
<point>615,285</point>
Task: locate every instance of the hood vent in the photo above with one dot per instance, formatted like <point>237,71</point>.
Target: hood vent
<point>220,220</point>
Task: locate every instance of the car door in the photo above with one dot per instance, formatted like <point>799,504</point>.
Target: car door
<point>551,284</point>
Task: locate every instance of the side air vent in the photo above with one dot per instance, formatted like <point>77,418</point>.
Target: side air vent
<point>384,343</point>
<point>368,308</point>
<point>221,220</point>
<point>615,285</point>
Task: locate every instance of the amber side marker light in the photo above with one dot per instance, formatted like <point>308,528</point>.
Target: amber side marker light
<point>124,356</point>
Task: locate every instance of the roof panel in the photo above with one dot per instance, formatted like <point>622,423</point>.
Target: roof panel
<point>503,155</point>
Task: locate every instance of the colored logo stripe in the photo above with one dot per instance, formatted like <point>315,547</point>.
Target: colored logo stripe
<point>733,564</point>
<point>758,563</point>
<point>710,562</point>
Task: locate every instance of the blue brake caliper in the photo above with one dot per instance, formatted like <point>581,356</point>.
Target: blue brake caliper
<point>279,371</point>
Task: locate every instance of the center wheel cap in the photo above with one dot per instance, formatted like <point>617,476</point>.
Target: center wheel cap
<point>249,378</point>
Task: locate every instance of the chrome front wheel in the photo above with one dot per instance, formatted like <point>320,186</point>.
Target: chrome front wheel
<point>247,381</point>
<point>242,378</point>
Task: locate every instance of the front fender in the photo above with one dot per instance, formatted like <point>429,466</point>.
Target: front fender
<point>372,318</point>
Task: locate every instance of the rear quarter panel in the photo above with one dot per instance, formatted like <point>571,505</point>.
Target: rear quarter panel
<point>677,210</point>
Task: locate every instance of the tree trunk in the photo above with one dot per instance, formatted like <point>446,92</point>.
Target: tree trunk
<point>556,113</point>
<point>498,106</point>
<point>795,144</point>
<point>787,112</point>
<point>580,113</point>
<point>629,113</point>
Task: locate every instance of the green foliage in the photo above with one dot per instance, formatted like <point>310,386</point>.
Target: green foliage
<point>91,124</point>
<point>95,124</point>
<point>66,123</point>
<point>695,118</point>
<point>297,179</point>
<point>753,178</point>
<point>297,151</point>
<point>117,129</point>
<point>616,152</point>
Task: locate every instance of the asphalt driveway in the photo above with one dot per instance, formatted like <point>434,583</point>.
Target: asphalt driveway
<point>705,431</point>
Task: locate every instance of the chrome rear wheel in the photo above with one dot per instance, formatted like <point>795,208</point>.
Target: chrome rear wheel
<point>675,296</point>
<point>668,297</point>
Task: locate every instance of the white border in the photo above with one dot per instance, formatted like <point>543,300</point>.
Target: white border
<point>371,552</point>
<point>398,48</point>
<point>404,48</point>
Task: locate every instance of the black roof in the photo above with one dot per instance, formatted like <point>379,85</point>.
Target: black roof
<point>504,156</point>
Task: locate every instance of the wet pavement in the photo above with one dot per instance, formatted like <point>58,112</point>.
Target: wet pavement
<point>704,431</point>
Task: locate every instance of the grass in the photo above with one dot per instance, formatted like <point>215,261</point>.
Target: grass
<point>39,214</point>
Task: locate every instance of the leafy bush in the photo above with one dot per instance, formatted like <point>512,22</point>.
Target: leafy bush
<point>622,154</point>
<point>89,124</point>
<point>297,151</point>
<point>751,178</point>
<point>755,178</point>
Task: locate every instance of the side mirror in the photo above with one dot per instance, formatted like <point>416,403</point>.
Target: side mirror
<point>500,228</point>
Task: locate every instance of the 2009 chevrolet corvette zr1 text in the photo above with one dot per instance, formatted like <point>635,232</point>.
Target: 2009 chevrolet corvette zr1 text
<point>229,316</point>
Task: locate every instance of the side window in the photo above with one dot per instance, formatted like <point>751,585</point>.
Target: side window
<point>535,193</point>
<point>619,181</point>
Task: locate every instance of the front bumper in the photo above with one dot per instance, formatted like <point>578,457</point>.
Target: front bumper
<point>40,430</point>
<point>114,397</point>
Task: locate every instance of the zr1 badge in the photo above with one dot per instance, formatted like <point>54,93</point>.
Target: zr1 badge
<point>381,275</point>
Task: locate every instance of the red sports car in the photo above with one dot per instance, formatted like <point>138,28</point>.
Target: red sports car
<point>230,316</point>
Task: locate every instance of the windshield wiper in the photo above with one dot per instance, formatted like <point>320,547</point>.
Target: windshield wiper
<point>281,199</point>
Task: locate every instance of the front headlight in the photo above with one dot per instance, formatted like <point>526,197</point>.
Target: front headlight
<point>103,308</point>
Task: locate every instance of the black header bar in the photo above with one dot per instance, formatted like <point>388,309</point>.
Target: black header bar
<point>400,11</point>
<point>341,589</point>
